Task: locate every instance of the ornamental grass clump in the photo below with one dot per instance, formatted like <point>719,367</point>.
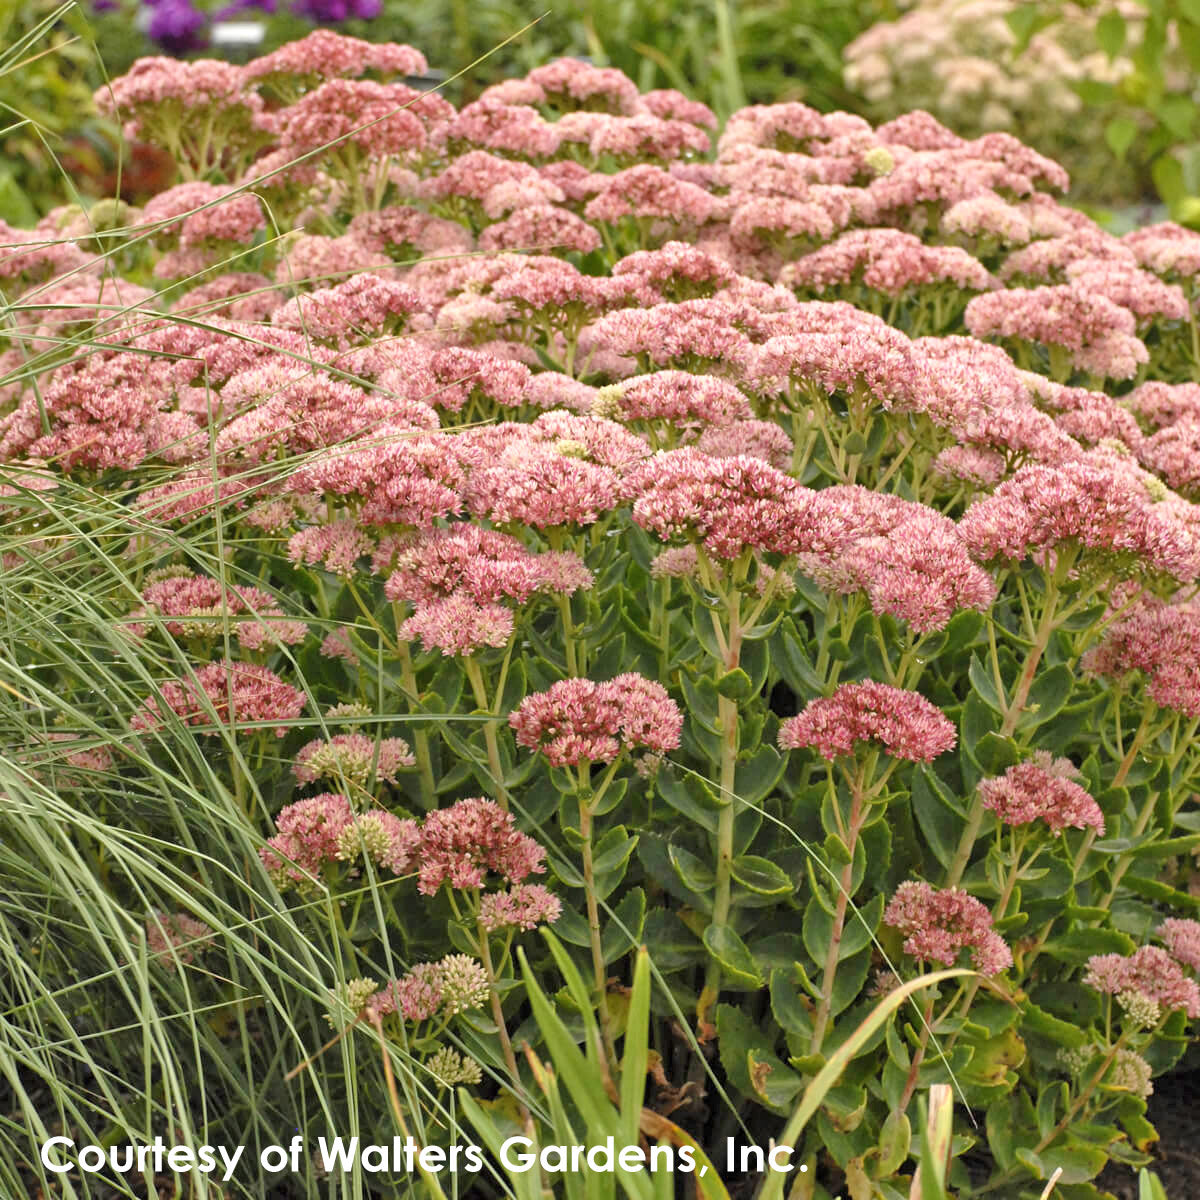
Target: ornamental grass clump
<point>776,548</point>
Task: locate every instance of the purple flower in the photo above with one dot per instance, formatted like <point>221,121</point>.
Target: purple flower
<point>332,11</point>
<point>178,27</point>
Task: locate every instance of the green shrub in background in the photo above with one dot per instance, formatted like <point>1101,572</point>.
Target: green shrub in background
<point>759,51</point>
<point>1103,87</point>
<point>48,71</point>
<point>1151,111</point>
<point>1055,73</point>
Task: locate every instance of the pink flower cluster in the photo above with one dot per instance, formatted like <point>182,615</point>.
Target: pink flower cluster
<point>480,563</point>
<point>1162,642</point>
<point>1098,332</point>
<point>1149,972</point>
<point>1045,789</point>
<point>523,906</point>
<point>938,925</point>
<point>904,723</point>
<point>730,505</point>
<point>910,560</point>
<point>201,607</point>
<point>362,307</point>
<point>454,984</point>
<point>353,756</point>
<point>1181,936</point>
<point>463,845</point>
<point>1097,504</point>
<point>174,938</point>
<point>466,843</point>
<point>316,832</point>
<point>579,720</point>
<point>888,261</point>
<point>458,625</point>
<point>225,693</point>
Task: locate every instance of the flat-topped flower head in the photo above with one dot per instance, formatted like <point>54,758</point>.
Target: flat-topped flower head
<point>680,398</point>
<point>648,192</point>
<point>354,757</point>
<point>174,938</point>
<point>544,485</point>
<point>904,723</point>
<point>888,261</point>
<point>482,563</point>
<point>1044,788</point>
<point>1145,295</point>
<point>466,843</point>
<point>157,95</point>
<point>729,504</point>
<point>337,546</point>
<point>669,103</point>
<point>1181,936</point>
<point>203,608</point>
<point>1092,502</point>
<point>402,478</point>
<point>1162,642</point>
<point>570,84</point>
<point>452,985</point>
<point>700,335</point>
<point>675,271</point>
<point>988,217</point>
<point>1129,1071</point>
<point>910,559</point>
<point>754,439</point>
<point>463,982</point>
<point>523,906</point>
<point>580,720</point>
<point>321,831</point>
<point>1150,971</point>
<point>416,996</point>
<point>361,307</point>
<point>1174,453</point>
<point>450,1068</point>
<point>228,692</point>
<point>458,624</point>
<point>938,925</point>
<point>1167,249</point>
<point>854,357</point>
<point>376,119</point>
<point>512,129</point>
<point>388,841</point>
<point>324,53</point>
<point>307,838</point>
<point>544,228</point>
<point>1099,334</point>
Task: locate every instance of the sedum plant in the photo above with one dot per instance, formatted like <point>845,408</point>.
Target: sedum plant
<point>776,548</point>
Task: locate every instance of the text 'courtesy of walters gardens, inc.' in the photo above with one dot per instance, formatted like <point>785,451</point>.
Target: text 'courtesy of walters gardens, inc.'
<point>343,1154</point>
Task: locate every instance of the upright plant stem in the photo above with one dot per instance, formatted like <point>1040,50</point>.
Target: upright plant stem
<point>841,904</point>
<point>408,681</point>
<point>910,1084</point>
<point>1123,770</point>
<point>569,646</point>
<point>510,1059</point>
<point>600,971</point>
<point>1012,715</point>
<point>490,741</point>
<point>727,716</point>
<point>1045,630</point>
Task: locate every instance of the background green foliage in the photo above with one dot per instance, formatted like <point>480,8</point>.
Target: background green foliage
<point>1155,110</point>
<point>729,54</point>
<point>48,71</point>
